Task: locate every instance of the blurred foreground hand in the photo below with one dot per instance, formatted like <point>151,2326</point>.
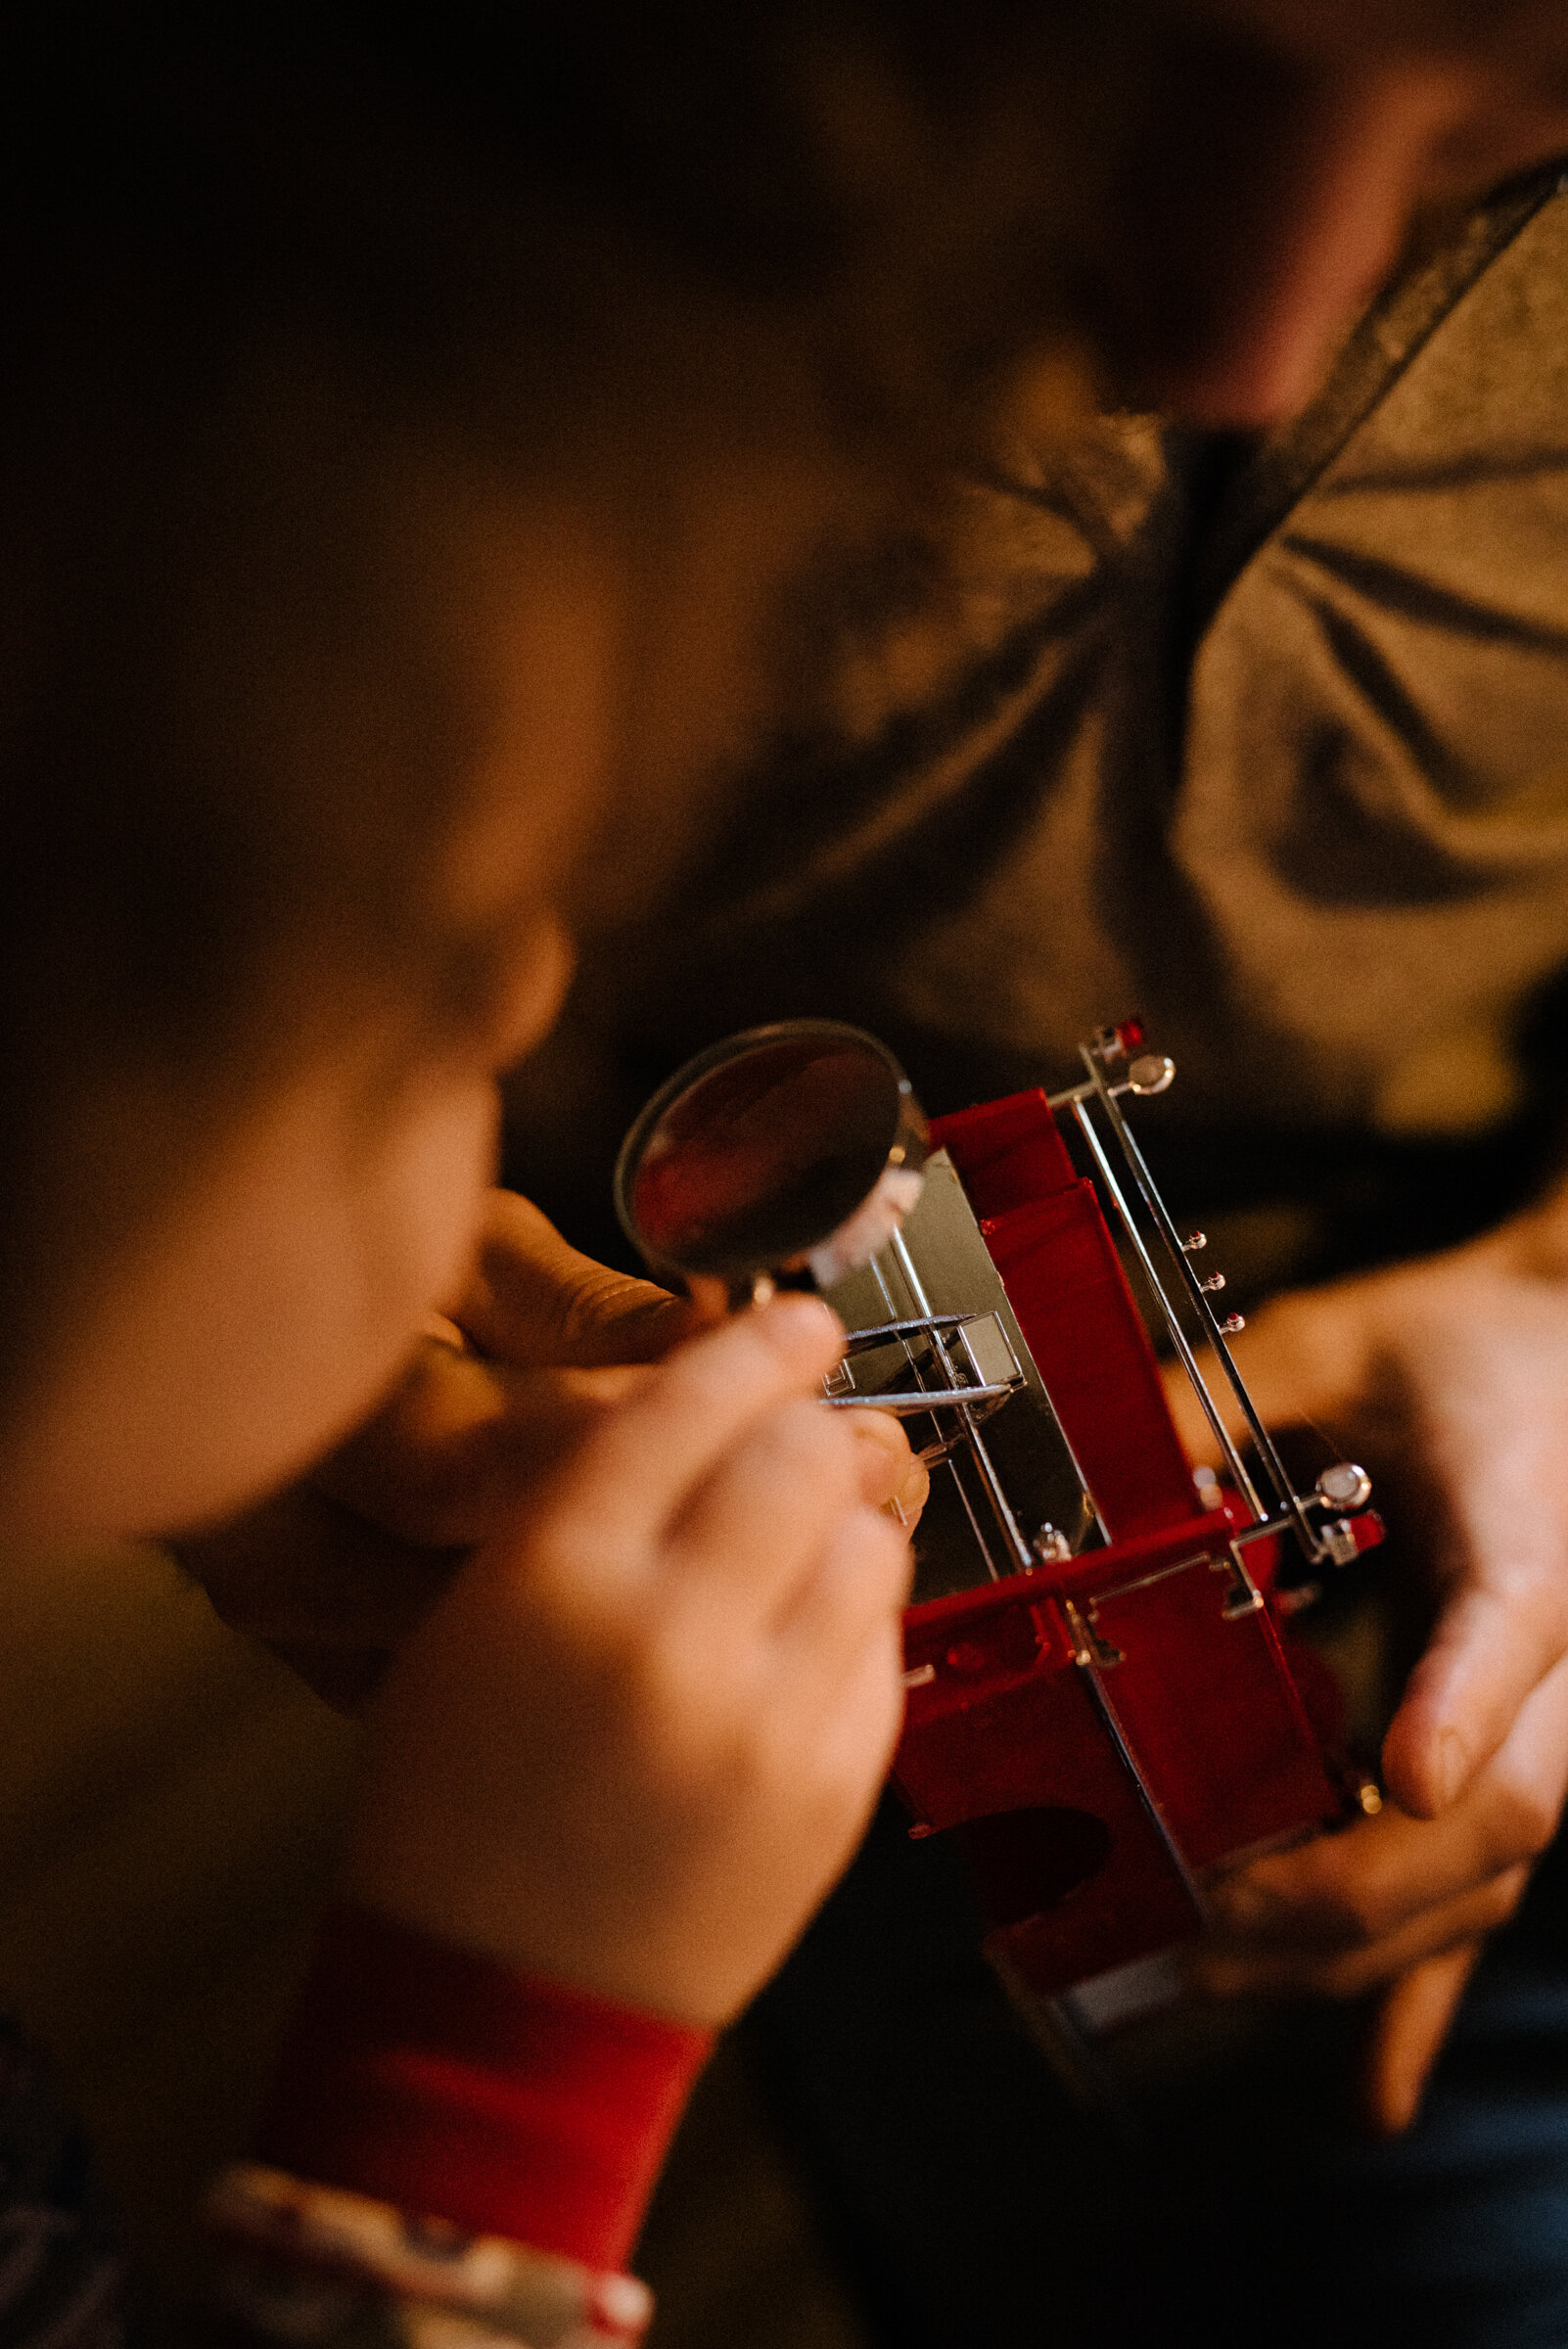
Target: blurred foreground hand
<point>337,1572</point>
<point>639,1739</point>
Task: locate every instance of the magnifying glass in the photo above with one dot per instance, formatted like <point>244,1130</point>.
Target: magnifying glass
<point>782,1158</point>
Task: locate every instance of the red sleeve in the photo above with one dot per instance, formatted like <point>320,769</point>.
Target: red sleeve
<point>428,2077</point>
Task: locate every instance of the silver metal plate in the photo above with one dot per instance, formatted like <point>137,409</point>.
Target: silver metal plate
<point>941,1266</point>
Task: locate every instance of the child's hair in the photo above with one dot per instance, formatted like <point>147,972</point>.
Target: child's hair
<point>279,289</point>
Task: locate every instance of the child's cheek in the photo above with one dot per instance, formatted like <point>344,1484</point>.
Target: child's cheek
<point>265,1318</point>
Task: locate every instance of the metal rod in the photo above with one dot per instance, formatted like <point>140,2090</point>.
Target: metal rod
<point>1083,1093</point>
<point>983,1460</point>
<point>1146,1792</point>
<point>925,1398</point>
<point>917,1297</point>
<point>885,1331</point>
<point>1178,1336</point>
<point>1273,1466</point>
<point>1266,1528</point>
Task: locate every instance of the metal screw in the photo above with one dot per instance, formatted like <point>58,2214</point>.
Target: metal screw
<point>1151,1072</point>
<point>1345,1485</point>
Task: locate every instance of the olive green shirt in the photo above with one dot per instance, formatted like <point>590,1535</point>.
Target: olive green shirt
<point>1268,743</point>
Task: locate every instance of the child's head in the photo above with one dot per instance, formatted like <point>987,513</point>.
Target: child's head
<point>399,426</point>
<point>398,429</point>
<point>316,738</point>
<point>315,593</point>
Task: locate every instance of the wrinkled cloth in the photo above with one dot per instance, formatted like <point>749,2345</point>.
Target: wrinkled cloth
<point>1267,742</point>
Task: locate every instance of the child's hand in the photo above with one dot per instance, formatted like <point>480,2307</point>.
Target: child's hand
<point>336,1572</point>
<point>639,1737</point>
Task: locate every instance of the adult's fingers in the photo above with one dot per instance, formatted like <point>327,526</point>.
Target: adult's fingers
<point>1495,1438</point>
<point>1499,1639</point>
<point>1349,1911</point>
<point>1456,1371</point>
<point>1303,1358</point>
<point>1352,1890</point>
<point>1491,1424</point>
<point>1285,1973</point>
<point>629,1479</point>
<point>534,1298</point>
<point>1356,1888</point>
<point>1414,2020</point>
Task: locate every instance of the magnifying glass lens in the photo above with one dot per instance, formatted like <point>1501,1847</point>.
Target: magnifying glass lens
<point>759,1156</point>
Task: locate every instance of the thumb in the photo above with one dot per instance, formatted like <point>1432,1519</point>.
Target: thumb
<point>533,1299</point>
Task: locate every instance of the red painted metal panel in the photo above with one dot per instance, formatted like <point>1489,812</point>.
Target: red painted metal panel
<point>1207,1704</point>
<point>1008,1153</point>
<point>1064,1280</point>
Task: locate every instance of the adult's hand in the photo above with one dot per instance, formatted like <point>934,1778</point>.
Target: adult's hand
<point>337,1572</point>
<point>1448,1380</point>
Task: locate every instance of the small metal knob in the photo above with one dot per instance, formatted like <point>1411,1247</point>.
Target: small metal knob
<point>1345,1485</point>
<point>1050,1547</point>
<point>1150,1072</point>
<point>1232,1325</point>
<point>1194,1241</point>
<point>1215,1281</point>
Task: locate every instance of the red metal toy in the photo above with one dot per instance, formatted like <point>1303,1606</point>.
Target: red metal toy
<point>1105,1700</point>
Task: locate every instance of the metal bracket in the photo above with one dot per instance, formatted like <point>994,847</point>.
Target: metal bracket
<point>1243,1596</point>
<point>1340,1541</point>
<point>1090,1646</point>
